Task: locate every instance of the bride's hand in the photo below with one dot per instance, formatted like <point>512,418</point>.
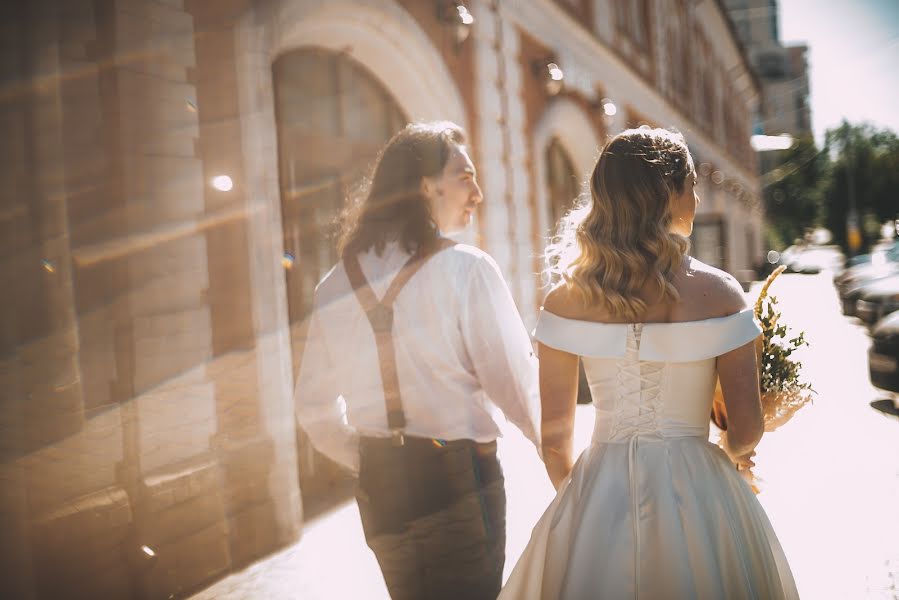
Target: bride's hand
<point>743,461</point>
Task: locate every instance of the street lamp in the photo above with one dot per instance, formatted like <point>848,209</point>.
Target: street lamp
<point>608,107</point>
<point>222,183</point>
<point>456,16</point>
<point>550,75</point>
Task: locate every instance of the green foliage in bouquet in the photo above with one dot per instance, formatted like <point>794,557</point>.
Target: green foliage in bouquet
<point>783,392</point>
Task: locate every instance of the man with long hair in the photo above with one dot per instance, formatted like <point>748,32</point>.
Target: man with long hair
<point>414,342</point>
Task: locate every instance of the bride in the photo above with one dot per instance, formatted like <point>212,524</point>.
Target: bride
<point>651,509</point>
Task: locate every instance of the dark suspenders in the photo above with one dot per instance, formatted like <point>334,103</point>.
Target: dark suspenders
<point>380,317</point>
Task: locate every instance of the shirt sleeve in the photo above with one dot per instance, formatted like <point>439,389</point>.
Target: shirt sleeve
<point>500,348</point>
<point>320,409</point>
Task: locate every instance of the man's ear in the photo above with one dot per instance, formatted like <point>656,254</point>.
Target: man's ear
<point>427,187</point>
<point>430,188</point>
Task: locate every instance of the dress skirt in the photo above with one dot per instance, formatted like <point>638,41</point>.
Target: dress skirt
<point>653,518</point>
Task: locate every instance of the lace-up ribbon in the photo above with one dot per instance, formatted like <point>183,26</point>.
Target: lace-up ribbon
<point>636,415</point>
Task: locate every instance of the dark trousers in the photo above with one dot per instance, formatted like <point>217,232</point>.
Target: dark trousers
<point>435,517</point>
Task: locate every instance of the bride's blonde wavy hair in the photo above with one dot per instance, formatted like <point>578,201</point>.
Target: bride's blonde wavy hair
<point>617,237</point>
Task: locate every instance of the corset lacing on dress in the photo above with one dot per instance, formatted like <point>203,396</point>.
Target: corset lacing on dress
<point>637,403</point>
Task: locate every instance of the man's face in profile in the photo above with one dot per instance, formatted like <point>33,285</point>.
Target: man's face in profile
<point>455,194</point>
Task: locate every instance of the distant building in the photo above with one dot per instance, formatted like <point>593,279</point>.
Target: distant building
<point>782,70</point>
<point>171,170</point>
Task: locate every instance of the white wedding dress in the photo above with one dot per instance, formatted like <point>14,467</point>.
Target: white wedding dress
<point>652,509</point>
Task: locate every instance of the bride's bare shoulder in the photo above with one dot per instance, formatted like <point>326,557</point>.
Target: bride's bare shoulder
<point>705,292</point>
<point>565,302</point>
<point>717,290</point>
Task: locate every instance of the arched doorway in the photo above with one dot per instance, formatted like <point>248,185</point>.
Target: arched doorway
<point>332,116</point>
<point>566,143</point>
<point>561,182</point>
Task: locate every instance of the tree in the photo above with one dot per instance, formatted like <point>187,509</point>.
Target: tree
<point>793,190</point>
<point>865,172</point>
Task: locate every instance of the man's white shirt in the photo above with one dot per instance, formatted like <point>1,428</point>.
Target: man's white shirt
<point>462,352</point>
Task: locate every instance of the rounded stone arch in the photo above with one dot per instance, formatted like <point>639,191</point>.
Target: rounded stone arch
<point>566,122</point>
<point>382,37</point>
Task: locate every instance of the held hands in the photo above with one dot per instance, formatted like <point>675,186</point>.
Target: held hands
<point>558,465</point>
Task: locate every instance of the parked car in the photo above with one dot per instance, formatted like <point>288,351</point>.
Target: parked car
<point>883,357</point>
<point>876,254</point>
<point>878,299</point>
<point>850,296</point>
<point>850,283</point>
<point>859,259</point>
<point>789,255</point>
<point>867,266</point>
<point>814,259</point>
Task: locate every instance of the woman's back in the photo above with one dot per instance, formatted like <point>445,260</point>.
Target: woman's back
<point>649,379</point>
<point>652,509</point>
<point>704,293</point>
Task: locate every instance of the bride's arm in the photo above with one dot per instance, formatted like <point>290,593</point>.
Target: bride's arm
<point>739,377</point>
<point>558,399</point>
<point>737,372</point>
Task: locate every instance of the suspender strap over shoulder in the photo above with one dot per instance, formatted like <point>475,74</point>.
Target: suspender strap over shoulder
<point>380,317</point>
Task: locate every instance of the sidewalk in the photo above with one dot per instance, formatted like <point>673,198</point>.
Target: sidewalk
<point>331,561</point>
<point>831,475</point>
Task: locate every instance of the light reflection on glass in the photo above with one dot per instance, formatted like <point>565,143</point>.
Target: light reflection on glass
<point>609,107</point>
<point>222,183</point>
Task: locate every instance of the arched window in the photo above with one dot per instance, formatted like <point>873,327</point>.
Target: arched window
<point>332,117</point>
<point>561,180</point>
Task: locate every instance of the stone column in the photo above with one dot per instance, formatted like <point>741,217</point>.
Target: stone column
<point>256,453</point>
<point>500,142</point>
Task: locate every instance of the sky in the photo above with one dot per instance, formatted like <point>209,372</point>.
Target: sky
<point>853,58</point>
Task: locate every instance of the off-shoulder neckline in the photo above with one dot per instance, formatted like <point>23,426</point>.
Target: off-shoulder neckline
<point>643,325</point>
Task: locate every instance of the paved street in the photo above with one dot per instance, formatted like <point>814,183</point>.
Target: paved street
<point>831,475</point>
<point>830,484</point>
